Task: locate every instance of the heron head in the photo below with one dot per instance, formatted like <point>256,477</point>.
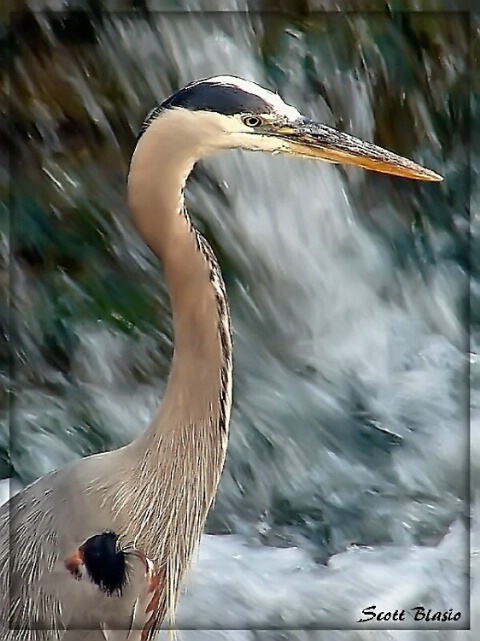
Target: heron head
<point>225,112</point>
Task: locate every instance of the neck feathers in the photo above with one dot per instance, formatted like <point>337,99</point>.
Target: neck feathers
<point>200,376</point>
<point>179,458</point>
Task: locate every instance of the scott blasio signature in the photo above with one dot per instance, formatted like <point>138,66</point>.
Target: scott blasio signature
<point>418,613</point>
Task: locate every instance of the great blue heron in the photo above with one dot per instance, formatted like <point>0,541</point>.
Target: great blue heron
<point>103,543</point>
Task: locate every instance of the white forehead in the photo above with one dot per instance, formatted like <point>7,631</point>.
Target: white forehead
<point>268,96</point>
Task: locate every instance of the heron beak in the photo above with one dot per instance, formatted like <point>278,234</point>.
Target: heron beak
<point>313,140</point>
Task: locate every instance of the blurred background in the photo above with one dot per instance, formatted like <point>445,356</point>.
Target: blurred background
<point>355,298</point>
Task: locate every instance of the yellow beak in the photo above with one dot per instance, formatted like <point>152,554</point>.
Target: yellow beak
<point>313,140</point>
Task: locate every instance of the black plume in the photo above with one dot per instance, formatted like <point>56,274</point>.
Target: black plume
<point>105,562</point>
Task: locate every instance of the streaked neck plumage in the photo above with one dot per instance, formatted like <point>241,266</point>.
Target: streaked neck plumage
<point>201,366</point>
<point>179,458</point>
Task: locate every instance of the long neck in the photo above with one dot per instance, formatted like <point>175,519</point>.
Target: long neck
<point>198,391</point>
<point>165,481</point>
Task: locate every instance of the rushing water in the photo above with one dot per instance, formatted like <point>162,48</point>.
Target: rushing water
<point>345,484</point>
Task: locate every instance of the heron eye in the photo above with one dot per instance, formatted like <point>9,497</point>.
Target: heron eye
<point>251,121</point>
